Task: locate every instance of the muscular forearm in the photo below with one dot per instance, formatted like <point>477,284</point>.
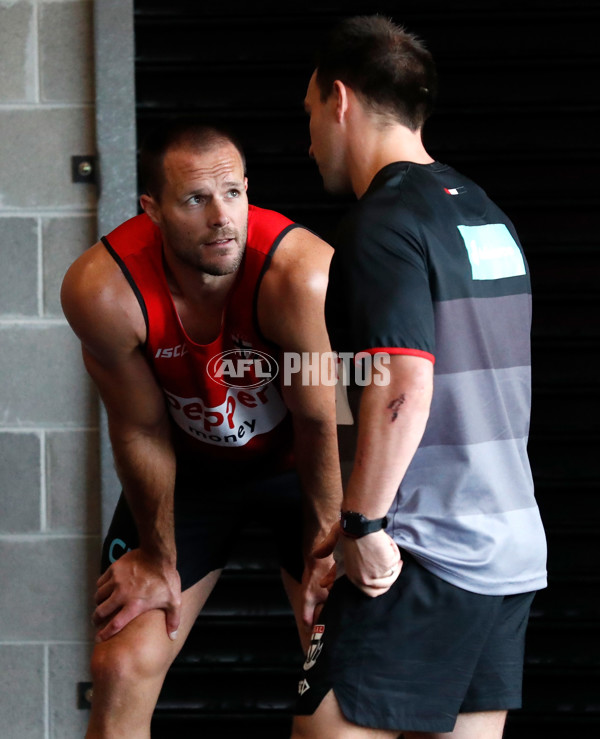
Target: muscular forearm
<point>318,467</point>
<point>317,461</point>
<point>146,466</point>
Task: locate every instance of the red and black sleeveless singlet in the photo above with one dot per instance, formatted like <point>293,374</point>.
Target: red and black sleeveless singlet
<point>213,418</point>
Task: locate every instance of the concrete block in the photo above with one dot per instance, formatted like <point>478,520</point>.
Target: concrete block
<point>63,239</point>
<point>66,52</point>
<point>19,483</point>
<point>18,266</point>
<point>69,665</point>
<point>36,167</point>
<point>73,481</point>
<point>17,47</point>
<point>22,686</point>
<point>43,378</point>
<point>47,587</point>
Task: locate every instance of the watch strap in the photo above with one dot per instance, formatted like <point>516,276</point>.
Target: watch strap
<point>355,525</point>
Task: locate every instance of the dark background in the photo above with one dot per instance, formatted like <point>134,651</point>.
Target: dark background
<point>518,111</point>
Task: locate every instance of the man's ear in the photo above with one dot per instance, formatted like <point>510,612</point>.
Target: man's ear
<point>151,208</point>
<point>340,94</point>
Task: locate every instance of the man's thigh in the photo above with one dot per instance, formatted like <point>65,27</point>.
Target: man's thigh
<point>483,725</point>
<point>328,722</point>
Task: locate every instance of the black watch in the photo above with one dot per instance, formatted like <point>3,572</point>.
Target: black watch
<point>356,525</point>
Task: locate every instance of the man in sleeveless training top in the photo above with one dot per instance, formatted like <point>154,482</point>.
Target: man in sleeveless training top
<point>428,270</point>
<point>184,314</point>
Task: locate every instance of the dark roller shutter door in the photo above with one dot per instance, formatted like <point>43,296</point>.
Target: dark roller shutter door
<point>519,112</point>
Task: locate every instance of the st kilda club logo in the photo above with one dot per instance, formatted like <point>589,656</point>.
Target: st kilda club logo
<point>316,645</point>
<point>244,370</point>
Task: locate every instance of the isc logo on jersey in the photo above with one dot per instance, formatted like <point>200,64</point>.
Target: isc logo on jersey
<point>171,352</point>
<point>244,370</point>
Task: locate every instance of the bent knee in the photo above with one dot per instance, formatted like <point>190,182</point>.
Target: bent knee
<point>123,659</point>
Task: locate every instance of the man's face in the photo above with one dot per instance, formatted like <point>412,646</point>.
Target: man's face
<point>326,145</point>
<point>203,208</point>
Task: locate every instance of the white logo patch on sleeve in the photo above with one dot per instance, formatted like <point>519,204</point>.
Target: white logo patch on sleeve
<point>493,252</point>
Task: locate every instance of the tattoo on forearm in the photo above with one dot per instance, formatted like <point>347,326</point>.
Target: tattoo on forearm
<point>394,406</point>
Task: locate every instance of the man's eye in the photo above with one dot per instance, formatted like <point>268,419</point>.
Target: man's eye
<point>234,193</point>
<point>195,199</point>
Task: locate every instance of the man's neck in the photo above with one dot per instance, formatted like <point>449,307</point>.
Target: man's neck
<point>200,300</point>
<point>377,147</point>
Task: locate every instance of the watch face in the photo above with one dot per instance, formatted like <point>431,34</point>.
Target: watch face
<point>351,522</point>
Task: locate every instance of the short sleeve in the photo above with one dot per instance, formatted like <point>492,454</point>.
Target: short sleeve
<point>379,295</point>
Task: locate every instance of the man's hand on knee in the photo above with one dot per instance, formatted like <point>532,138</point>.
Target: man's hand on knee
<point>132,585</point>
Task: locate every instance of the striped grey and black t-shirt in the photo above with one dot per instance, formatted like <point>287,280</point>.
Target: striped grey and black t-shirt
<point>426,264</point>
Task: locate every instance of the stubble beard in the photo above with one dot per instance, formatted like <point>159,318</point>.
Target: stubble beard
<point>220,271</point>
<point>210,265</point>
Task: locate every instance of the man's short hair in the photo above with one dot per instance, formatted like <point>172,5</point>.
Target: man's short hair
<point>387,67</point>
<point>197,137</point>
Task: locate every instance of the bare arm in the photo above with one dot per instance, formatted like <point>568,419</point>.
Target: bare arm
<point>104,313</point>
<point>391,423</point>
<point>291,314</point>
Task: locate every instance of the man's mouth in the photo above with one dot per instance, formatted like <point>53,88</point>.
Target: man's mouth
<point>221,241</point>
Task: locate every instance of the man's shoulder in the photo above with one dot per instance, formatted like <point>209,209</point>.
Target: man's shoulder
<point>266,228</point>
<point>98,302</point>
<point>410,200</point>
<point>133,235</point>
<point>294,285</point>
<point>377,221</point>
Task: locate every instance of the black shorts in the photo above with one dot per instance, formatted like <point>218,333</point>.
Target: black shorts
<point>209,517</point>
<point>417,656</point>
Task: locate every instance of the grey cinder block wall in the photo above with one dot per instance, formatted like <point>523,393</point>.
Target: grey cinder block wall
<point>49,467</point>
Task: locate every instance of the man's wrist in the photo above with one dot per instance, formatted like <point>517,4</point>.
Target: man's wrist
<point>355,525</point>
<point>160,557</point>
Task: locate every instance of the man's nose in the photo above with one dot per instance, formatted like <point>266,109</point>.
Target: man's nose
<point>218,213</point>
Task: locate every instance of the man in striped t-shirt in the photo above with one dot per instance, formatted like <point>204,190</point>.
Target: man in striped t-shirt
<point>442,542</point>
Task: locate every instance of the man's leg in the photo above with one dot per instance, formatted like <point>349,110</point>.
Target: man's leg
<point>128,670</point>
<point>328,722</point>
<point>484,725</point>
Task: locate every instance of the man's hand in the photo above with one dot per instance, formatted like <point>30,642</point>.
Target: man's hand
<point>372,562</point>
<point>313,591</point>
<point>328,550</point>
<point>132,585</point>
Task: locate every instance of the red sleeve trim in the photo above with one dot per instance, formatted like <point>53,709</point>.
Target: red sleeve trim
<point>398,350</point>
